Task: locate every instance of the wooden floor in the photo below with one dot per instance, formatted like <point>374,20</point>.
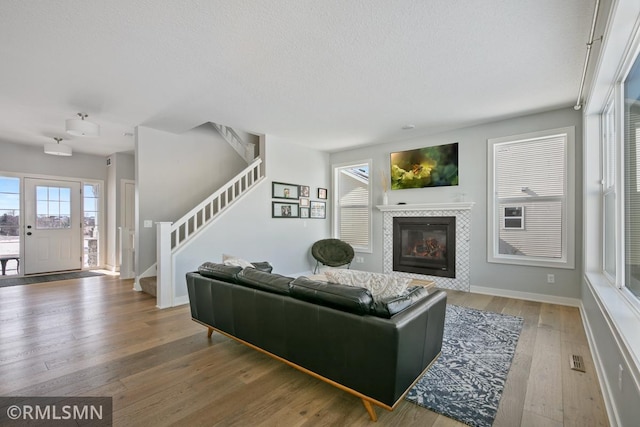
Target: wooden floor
<point>97,337</point>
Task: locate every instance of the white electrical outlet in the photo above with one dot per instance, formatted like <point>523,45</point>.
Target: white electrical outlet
<point>359,259</point>
<point>620,371</point>
<point>148,223</point>
<point>551,278</point>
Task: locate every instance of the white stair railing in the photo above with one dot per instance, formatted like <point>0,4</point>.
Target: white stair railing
<point>245,149</point>
<point>171,237</point>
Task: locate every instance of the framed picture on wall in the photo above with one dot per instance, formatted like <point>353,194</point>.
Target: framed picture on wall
<point>304,212</point>
<point>322,193</point>
<point>284,210</point>
<point>318,210</point>
<point>304,202</point>
<point>304,191</point>
<point>281,190</point>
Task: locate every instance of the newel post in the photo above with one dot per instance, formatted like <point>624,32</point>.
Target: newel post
<point>164,290</point>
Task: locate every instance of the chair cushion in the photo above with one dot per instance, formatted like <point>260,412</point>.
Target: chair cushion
<point>380,285</point>
<point>269,282</point>
<point>345,298</point>
<point>387,307</point>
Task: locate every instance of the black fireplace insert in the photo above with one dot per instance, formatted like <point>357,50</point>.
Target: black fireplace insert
<point>425,245</point>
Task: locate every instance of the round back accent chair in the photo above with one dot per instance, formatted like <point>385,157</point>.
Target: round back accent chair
<point>332,252</point>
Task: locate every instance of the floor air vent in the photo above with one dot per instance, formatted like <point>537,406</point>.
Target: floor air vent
<point>577,363</point>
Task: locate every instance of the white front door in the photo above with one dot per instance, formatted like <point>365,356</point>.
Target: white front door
<point>53,226</point>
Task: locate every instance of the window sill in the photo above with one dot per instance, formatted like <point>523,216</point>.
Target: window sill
<point>622,317</point>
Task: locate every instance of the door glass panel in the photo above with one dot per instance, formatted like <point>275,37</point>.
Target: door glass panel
<point>91,229</point>
<point>51,211</point>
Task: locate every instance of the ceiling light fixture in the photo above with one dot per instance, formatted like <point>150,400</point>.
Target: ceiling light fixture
<point>82,127</point>
<point>57,149</point>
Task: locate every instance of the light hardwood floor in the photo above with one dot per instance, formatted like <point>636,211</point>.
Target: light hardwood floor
<point>97,337</point>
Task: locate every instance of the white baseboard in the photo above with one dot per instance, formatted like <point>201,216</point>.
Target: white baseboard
<point>181,300</point>
<point>529,296</point>
<point>605,386</point>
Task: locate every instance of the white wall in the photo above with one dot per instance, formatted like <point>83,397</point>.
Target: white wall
<point>173,174</point>
<point>27,159</point>
<point>122,167</point>
<point>473,182</point>
<point>249,232</point>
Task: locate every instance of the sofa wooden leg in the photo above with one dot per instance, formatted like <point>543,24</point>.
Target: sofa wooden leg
<point>209,332</point>
<point>370,410</point>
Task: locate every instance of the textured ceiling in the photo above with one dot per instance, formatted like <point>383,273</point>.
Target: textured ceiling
<point>329,74</point>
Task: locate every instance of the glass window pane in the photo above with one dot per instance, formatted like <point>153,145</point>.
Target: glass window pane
<point>9,185</point>
<point>541,235</point>
<point>42,193</point>
<point>54,193</point>
<point>90,205</point>
<point>65,194</point>
<point>9,201</point>
<point>42,208</point>
<point>90,191</point>
<point>54,208</point>
<point>632,177</point>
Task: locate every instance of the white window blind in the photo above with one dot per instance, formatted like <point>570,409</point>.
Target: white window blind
<point>353,205</point>
<point>529,171</point>
<point>631,131</point>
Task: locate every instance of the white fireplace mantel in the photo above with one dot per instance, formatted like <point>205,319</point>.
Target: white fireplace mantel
<point>428,206</point>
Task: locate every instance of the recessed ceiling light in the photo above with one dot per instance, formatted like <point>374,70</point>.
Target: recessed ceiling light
<point>408,127</point>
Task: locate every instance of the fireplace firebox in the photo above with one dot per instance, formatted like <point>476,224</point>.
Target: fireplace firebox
<point>425,245</point>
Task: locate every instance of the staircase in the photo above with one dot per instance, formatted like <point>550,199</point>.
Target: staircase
<point>246,150</point>
<point>173,236</point>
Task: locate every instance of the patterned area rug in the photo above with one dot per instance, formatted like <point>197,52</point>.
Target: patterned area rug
<point>16,281</point>
<point>467,380</point>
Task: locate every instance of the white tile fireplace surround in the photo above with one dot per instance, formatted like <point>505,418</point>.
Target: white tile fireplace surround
<point>462,212</point>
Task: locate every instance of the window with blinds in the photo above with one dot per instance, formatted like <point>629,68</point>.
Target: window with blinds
<point>528,188</point>
<point>353,205</point>
<point>631,131</point>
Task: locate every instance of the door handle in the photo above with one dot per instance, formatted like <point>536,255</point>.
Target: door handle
<point>28,233</point>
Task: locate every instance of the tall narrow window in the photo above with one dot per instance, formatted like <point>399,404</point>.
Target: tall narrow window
<point>530,199</point>
<point>10,222</point>
<point>631,130</point>
<point>91,224</point>
<point>352,201</point>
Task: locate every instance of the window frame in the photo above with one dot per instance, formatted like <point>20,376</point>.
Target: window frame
<point>567,259</point>
<point>335,223</point>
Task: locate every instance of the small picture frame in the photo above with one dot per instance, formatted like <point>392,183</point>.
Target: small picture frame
<point>304,191</point>
<point>318,210</point>
<point>304,202</point>
<point>304,212</point>
<point>284,210</point>
<point>282,190</point>
<point>322,193</point>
